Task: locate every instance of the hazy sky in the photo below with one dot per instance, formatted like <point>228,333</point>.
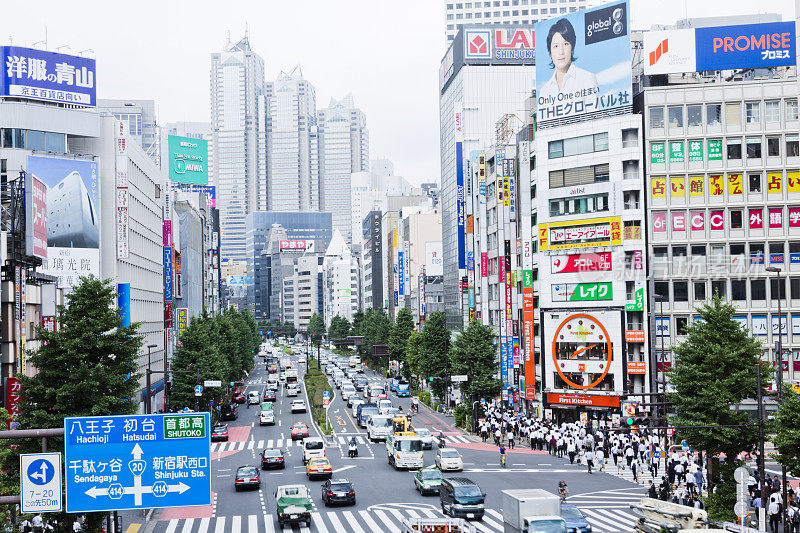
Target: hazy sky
<point>386,52</point>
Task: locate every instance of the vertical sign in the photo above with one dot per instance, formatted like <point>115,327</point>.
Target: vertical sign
<point>124,303</point>
<point>17,325</point>
<point>527,331</point>
<point>23,319</point>
<point>461,217</point>
<point>400,275</point>
<point>182,322</point>
<point>35,216</point>
<point>123,242</point>
<point>167,270</point>
<point>482,178</point>
<point>13,396</point>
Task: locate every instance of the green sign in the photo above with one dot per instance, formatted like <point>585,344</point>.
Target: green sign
<point>188,160</point>
<point>695,150</point>
<point>657,153</point>
<point>638,304</point>
<point>676,152</point>
<point>527,278</point>
<point>184,426</point>
<point>715,149</point>
<point>581,292</point>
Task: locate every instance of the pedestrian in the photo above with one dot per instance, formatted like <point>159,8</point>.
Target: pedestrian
<point>601,459</point>
<point>635,470</point>
<point>651,491</point>
<point>511,439</point>
<point>698,480</point>
<point>589,455</point>
<point>794,518</point>
<point>571,451</point>
<point>774,511</point>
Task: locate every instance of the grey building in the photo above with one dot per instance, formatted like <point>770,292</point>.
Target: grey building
<point>372,262</point>
<point>190,285</point>
<point>140,117</point>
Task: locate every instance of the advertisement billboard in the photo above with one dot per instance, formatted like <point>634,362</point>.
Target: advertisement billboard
<point>770,44</point>
<point>209,190</point>
<point>580,234</point>
<point>583,62</point>
<point>433,258</point>
<point>73,217</point>
<point>188,160</point>
<point>564,264</point>
<point>35,216</point>
<point>41,75</point>
<point>295,245</point>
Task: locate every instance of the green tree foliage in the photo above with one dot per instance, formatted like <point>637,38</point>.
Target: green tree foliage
<point>715,368</point>
<point>316,328</point>
<point>787,437</point>
<point>434,352</point>
<point>377,329</point>
<point>358,328</point>
<point>474,354</point>
<point>339,328</point>
<point>413,358</point>
<point>87,367</point>
<point>398,338</point>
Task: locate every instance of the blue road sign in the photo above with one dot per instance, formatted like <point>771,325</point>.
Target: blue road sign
<point>656,455</point>
<point>325,394</point>
<point>198,390</point>
<point>137,461</point>
<point>40,480</point>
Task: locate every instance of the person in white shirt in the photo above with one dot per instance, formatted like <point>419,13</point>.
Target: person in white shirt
<point>569,84</point>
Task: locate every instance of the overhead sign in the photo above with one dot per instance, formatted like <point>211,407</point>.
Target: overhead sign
<point>583,62</point>
<point>137,462</point>
<point>188,160</point>
<point>212,383</point>
<point>580,234</point>
<point>41,75</point>
<point>770,44</point>
<point>40,482</point>
<point>459,378</point>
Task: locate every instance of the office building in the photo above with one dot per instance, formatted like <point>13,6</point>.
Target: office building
<point>341,291</point>
<point>304,290</point>
<point>372,272</point>
<point>420,230</point>
<point>239,141</point>
<point>139,117</point>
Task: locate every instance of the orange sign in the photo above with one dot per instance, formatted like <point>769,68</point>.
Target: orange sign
<point>636,367</point>
<point>634,336</point>
<point>583,399</point>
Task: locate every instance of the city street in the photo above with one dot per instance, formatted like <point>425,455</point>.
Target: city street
<point>384,496</point>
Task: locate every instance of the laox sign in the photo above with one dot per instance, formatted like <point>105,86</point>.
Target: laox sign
<point>518,39</point>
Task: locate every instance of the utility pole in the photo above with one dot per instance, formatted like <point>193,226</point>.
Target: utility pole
<point>148,409</point>
<point>763,485</point>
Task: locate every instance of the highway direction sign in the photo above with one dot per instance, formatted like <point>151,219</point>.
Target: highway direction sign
<point>137,461</point>
<point>459,378</point>
<point>40,480</point>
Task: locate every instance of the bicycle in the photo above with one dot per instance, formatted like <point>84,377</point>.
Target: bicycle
<point>503,460</point>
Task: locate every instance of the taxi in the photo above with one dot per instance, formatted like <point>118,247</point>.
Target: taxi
<point>319,467</point>
<point>299,431</point>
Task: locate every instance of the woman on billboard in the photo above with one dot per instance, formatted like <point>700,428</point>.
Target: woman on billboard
<point>573,83</point>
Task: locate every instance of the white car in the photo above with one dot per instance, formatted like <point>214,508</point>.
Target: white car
<point>353,398</point>
<point>384,406</point>
<point>253,397</point>
<point>426,437</point>
<point>348,389</point>
<point>356,403</point>
<point>313,447</point>
<point>291,389</point>
<point>298,406</point>
<point>449,460</point>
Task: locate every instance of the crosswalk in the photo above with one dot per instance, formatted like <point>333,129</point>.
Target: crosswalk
<point>609,510</point>
<point>343,440</point>
<point>375,519</point>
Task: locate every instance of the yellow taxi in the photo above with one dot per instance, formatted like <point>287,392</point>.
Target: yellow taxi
<point>319,467</point>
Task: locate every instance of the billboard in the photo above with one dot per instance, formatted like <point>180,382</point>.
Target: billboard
<point>35,216</point>
<point>296,245</point>
<point>41,75</point>
<point>583,62</point>
<point>563,264</point>
<point>433,258</point>
<point>770,44</point>
<point>188,160</point>
<point>580,234</point>
<point>209,190</point>
<point>73,217</point>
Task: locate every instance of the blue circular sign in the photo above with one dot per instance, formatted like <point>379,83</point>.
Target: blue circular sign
<point>41,472</point>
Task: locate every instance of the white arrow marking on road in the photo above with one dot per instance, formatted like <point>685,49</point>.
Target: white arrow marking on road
<point>342,469</point>
<point>137,452</point>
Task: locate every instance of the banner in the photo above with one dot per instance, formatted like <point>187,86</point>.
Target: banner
<point>35,217</point>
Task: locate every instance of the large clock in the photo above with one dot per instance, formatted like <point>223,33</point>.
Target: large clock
<point>582,351</point>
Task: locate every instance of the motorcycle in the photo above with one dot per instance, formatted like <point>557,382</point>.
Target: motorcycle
<point>352,450</point>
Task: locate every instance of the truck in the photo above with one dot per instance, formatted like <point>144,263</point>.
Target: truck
<point>293,504</point>
<point>527,510</point>
<point>658,516</point>
<point>404,450</point>
<point>437,525</point>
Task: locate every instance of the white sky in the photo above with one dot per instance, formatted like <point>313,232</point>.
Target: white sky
<point>386,52</point>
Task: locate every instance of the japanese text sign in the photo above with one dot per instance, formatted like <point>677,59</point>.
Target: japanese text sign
<point>42,75</point>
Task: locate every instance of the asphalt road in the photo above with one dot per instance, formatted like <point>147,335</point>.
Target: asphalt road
<point>384,496</point>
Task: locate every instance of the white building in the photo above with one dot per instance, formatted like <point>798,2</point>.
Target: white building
<point>139,117</point>
<point>343,149</point>
<point>292,143</point>
<point>369,191</point>
<point>341,280</point>
<point>238,120</point>
<point>306,286</point>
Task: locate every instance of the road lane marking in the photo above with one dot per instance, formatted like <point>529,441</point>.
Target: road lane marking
<point>203,528</point>
<point>369,521</point>
<point>269,527</point>
<point>133,528</point>
<point>252,523</point>
<point>351,519</point>
<point>173,524</point>
<point>187,526</point>
<point>236,524</point>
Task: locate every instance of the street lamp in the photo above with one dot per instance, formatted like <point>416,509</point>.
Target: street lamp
<point>147,408</point>
<point>779,380</point>
<point>660,299</point>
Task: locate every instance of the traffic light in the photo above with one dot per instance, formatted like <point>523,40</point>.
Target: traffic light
<point>233,383</point>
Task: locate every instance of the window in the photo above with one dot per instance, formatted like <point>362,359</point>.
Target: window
<point>758,289</point>
<point>682,325</point>
<point>794,288</point>
<point>713,114</point>
<point>754,181</point>
<point>632,229</point>
<point>56,142</point>
<point>659,255</point>
<point>773,288</point>
<point>694,115</point>
<point>757,251</point>
<point>738,290</point>
<point>630,138</point>
<point>578,176</point>
<point>753,148</point>
<point>630,170</point>
<point>579,205</point>
<point>733,114</point>
<point>792,146</point>
<point>630,287</point>
<point>656,117</point>
<point>680,291</point>
<point>699,251</point>
<point>578,145</point>
<point>736,219</point>
<point>737,250</point>
<point>773,146</point>
<point>35,140</point>
<point>734,148</point>
<point>752,112</point>
<point>675,117</point>
<point>678,251</point>
<point>791,109</point>
<point>631,199</point>
<point>718,288</point>
<point>555,149</point>
<point>661,288</point>
<point>772,111</point>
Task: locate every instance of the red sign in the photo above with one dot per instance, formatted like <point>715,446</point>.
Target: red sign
<point>634,336</point>
<point>38,217</point>
<point>13,397</point>
<point>484,265</point>
<point>49,323</point>
<point>776,218</point>
<point>716,220</point>
<point>659,222</point>
<point>678,221</point>
<point>794,217</point>
<point>583,399</point>
<point>698,220</point>
<point>756,218</point>
<point>530,393</point>
<point>636,367</point>
<point>561,264</point>
<point>516,39</point>
<point>293,245</point>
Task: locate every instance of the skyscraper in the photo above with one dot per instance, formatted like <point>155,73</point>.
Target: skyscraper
<point>343,149</point>
<point>292,143</point>
<point>239,142</point>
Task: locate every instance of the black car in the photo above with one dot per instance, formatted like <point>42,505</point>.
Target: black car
<point>228,411</point>
<point>269,396</point>
<point>219,433</point>
<point>272,458</point>
<point>338,491</point>
<point>247,477</point>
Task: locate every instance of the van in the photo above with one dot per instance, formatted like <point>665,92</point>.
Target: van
<point>313,447</point>
<point>228,411</point>
<point>384,406</point>
<point>461,498</point>
<point>378,427</point>
<point>291,389</point>
<point>267,414</point>
<point>364,412</point>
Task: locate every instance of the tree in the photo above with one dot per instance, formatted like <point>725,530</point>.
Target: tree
<point>377,329</point>
<point>398,338</point>
<point>339,328</point>
<point>474,354</point>
<point>87,367</point>
<point>359,328</point>
<point>413,356</point>
<point>715,368</point>
<point>787,423</point>
<point>199,352</point>
<point>434,354</point>
<point>316,328</point>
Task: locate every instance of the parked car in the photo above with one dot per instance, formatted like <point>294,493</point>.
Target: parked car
<point>219,433</point>
<point>428,480</point>
<point>272,458</point>
<point>247,477</point>
<point>338,491</point>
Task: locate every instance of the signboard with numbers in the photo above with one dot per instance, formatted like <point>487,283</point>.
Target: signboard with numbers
<point>714,149</point>
<point>40,480</point>
<point>137,461</point>
<point>657,152</point>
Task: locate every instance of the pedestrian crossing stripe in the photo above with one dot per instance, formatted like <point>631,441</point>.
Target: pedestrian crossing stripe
<point>344,440</point>
<point>369,521</point>
<point>252,444</point>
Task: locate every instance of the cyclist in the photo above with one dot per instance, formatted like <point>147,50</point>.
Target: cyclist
<point>441,440</point>
<point>502,456</point>
<point>563,490</point>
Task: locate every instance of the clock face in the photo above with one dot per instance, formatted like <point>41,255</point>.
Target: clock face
<point>582,351</point>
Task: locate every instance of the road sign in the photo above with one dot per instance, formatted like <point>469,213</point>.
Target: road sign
<point>657,455</point>
<point>459,378</point>
<point>740,508</point>
<point>212,383</point>
<point>741,475</point>
<point>137,461</point>
<point>198,390</point>
<point>670,431</point>
<point>326,399</point>
<point>40,479</point>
